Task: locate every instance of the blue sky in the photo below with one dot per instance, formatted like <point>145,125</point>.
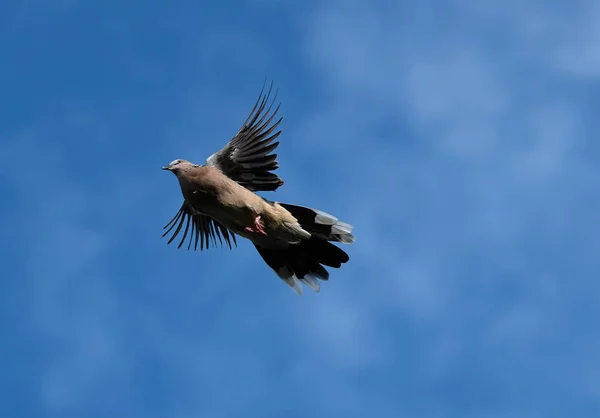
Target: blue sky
<point>458,137</point>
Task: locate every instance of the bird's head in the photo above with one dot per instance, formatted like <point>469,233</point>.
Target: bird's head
<point>176,166</point>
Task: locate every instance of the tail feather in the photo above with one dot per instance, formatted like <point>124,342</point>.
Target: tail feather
<point>303,262</point>
<point>321,224</point>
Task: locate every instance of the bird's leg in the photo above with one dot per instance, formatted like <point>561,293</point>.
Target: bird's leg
<point>258,225</point>
<point>258,229</point>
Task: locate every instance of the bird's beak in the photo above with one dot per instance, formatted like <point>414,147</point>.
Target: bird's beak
<point>165,167</point>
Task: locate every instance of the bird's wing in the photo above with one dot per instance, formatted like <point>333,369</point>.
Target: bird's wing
<point>246,157</point>
<point>203,227</point>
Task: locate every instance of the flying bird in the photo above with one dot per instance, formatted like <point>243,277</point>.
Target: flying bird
<point>219,201</point>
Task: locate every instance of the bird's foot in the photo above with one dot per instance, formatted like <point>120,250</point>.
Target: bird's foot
<point>258,229</point>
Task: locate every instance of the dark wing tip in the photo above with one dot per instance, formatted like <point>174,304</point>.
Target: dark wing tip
<point>247,157</point>
<point>202,226</point>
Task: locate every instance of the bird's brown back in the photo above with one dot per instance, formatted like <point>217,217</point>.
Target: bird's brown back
<point>211,192</point>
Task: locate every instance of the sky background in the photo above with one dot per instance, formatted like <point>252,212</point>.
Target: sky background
<point>458,137</point>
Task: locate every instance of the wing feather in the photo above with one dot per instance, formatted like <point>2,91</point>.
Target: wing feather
<point>198,227</point>
<point>245,158</point>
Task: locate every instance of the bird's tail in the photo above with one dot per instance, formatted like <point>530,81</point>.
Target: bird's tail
<point>303,262</point>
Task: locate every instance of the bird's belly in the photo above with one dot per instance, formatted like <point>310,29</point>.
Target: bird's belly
<point>232,217</point>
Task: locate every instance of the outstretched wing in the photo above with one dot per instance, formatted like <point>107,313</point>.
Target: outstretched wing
<point>203,227</point>
<point>246,159</point>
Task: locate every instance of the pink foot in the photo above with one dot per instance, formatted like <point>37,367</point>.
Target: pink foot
<point>258,229</point>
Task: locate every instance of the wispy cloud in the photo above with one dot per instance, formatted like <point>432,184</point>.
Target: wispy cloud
<point>489,164</point>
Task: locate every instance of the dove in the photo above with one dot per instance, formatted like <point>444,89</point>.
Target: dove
<point>220,202</point>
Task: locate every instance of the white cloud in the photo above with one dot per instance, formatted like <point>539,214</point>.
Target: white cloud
<point>577,48</point>
<point>490,142</point>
